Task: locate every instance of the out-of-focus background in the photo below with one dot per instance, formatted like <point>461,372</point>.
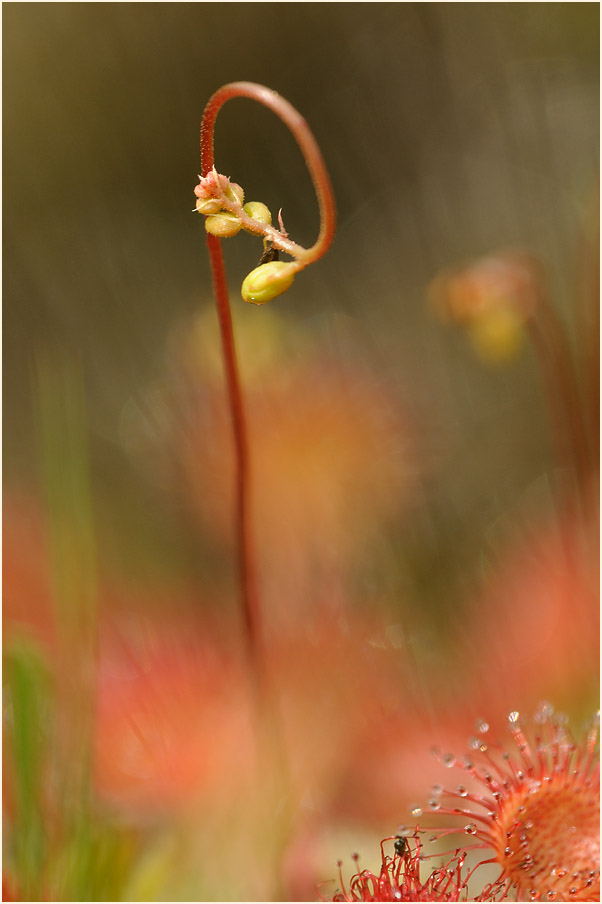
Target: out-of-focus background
<point>424,497</point>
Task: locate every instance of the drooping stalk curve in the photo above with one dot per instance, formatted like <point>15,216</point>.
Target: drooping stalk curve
<point>319,175</point>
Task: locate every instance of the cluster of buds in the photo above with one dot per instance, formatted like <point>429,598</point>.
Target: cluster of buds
<point>222,203</point>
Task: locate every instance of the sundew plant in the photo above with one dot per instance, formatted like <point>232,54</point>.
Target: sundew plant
<point>539,813</point>
<point>301,700</point>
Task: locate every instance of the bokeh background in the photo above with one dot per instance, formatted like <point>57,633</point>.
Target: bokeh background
<point>425,557</point>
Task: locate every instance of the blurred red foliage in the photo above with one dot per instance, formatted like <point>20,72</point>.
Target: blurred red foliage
<point>534,632</point>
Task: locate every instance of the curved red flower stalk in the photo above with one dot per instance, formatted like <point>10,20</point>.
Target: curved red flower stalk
<point>399,878</point>
<point>319,175</point>
<point>499,298</point>
<point>309,148</point>
<point>539,812</point>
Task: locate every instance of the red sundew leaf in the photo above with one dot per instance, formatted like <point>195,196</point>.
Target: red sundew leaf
<point>403,878</point>
<point>535,808</point>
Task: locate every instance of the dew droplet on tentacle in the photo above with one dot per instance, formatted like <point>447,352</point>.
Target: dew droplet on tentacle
<point>543,712</point>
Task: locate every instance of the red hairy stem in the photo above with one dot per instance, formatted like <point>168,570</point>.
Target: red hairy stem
<point>304,138</point>
<point>272,748</point>
<point>315,163</point>
<point>248,586</point>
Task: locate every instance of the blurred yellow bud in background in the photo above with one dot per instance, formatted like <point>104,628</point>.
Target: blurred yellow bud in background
<point>497,335</point>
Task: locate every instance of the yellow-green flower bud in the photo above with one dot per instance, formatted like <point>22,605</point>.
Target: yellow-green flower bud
<point>235,193</point>
<point>223,225</point>
<point>208,205</point>
<point>497,335</point>
<point>258,211</point>
<point>267,281</point>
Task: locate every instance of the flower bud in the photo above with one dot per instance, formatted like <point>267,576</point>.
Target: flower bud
<point>267,281</point>
<point>208,205</point>
<point>497,335</point>
<point>258,211</point>
<point>223,225</point>
<point>201,190</point>
<point>210,184</point>
<point>234,193</point>
<point>213,184</point>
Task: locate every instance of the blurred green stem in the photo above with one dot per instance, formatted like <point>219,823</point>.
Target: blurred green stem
<point>64,461</point>
<point>26,689</point>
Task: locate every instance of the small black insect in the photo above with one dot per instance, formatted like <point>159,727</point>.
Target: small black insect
<point>400,845</point>
<point>269,254</point>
